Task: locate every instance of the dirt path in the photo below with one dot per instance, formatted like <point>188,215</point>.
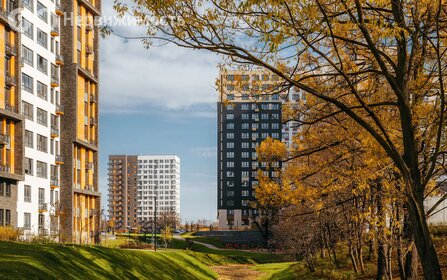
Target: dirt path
<point>237,271</point>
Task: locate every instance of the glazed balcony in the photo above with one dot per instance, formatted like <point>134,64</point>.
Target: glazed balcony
<point>59,160</point>
<point>59,110</point>
<point>43,207</point>
<point>4,140</point>
<point>59,60</point>
<point>10,49</point>
<point>10,80</point>
<point>54,184</point>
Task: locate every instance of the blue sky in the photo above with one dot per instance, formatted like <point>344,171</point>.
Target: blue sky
<point>161,101</point>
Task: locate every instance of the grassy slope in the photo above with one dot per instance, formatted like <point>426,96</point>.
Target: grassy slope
<point>53,261</point>
<point>31,261</point>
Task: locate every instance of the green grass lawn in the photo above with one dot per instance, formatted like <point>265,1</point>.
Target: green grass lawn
<point>54,261</point>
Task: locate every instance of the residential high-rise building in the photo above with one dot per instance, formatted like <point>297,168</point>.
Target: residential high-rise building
<point>141,185</point>
<point>48,132</point>
<point>123,191</point>
<point>11,120</point>
<point>248,113</point>
<point>41,61</point>
<point>80,195</point>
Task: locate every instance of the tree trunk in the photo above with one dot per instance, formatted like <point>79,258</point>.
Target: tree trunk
<point>411,263</point>
<point>381,246</point>
<point>353,259</point>
<point>424,244</point>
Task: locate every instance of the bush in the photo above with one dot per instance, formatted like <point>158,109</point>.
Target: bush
<point>9,234</point>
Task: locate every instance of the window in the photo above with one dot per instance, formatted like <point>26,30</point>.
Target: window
<point>275,116</point>
<point>255,116</point>
<point>230,125</point>
<point>230,77</point>
<point>28,28</point>
<point>245,154</point>
<point>245,96</point>
<point>230,174</point>
<point>41,195</point>
<point>41,169</point>
<point>27,194</point>
<point>275,135</point>
<point>42,143</point>
<point>8,190</point>
<point>230,164</point>
<point>28,56</point>
<point>245,164</point>
<point>230,203</point>
<point>265,126</point>
<point>230,107</point>
<point>275,97</point>
<point>29,139</point>
<point>230,183</point>
<point>42,117</point>
<point>42,12</point>
<point>275,125</point>
<point>255,77</point>
<point>1,217</point>
<point>28,166</point>
<point>28,110</point>
<point>245,135</point>
<point>7,217</point>
<point>27,220</point>
<point>230,193</point>
<point>230,96</point>
<point>245,174</point>
<point>245,116</point>
<point>245,107</point>
<point>264,135</point>
<point>27,83</point>
<point>245,193</point>
<point>230,135</point>
<point>42,90</point>
<point>28,4</point>
<point>230,87</point>
<point>244,202</point>
<point>2,189</point>
<point>245,145</point>
<point>42,64</point>
<point>245,125</point>
<point>230,154</point>
<point>230,145</point>
<point>230,116</point>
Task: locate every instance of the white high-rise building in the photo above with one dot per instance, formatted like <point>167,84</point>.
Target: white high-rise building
<point>39,192</point>
<point>158,180</point>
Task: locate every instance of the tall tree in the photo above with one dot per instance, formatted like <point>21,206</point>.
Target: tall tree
<point>339,52</point>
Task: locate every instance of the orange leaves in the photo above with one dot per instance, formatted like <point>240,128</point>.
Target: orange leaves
<point>271,150</point>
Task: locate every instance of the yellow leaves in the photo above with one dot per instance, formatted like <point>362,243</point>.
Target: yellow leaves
<point>271,150</point>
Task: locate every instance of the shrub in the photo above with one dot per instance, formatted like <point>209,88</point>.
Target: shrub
<point>9,234</point>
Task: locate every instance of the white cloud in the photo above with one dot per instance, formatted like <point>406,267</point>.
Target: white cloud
<point>167,77</point>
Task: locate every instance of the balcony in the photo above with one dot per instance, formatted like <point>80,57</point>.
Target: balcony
<point>88,49</point>
<point>89,27</point>
<point>11,108</point>
<point>5,168</point>
<point>59,160</point>
<point>54,184</point>
<point>90,188</point>
<point>89,166</point>
<point>10,49</point>
<point>58,10</point>
<point>43,207</point>
<point>4,140</point>
<point>55,31</point>
<point>54,81</point>
<point>10,80</point>
<point>54,132</point>
<point>93,98</point>
<point>59,60</point>
<point>93,122</point>
<point>59,109</point>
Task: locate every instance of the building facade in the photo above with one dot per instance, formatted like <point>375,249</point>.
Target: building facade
<point>38,194</point>
<point>123,191</point>
<point>248,112</point>
<point>80,194</point>
<point>11,119</point>
<point>49,120</point>
<point>139,186</point>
